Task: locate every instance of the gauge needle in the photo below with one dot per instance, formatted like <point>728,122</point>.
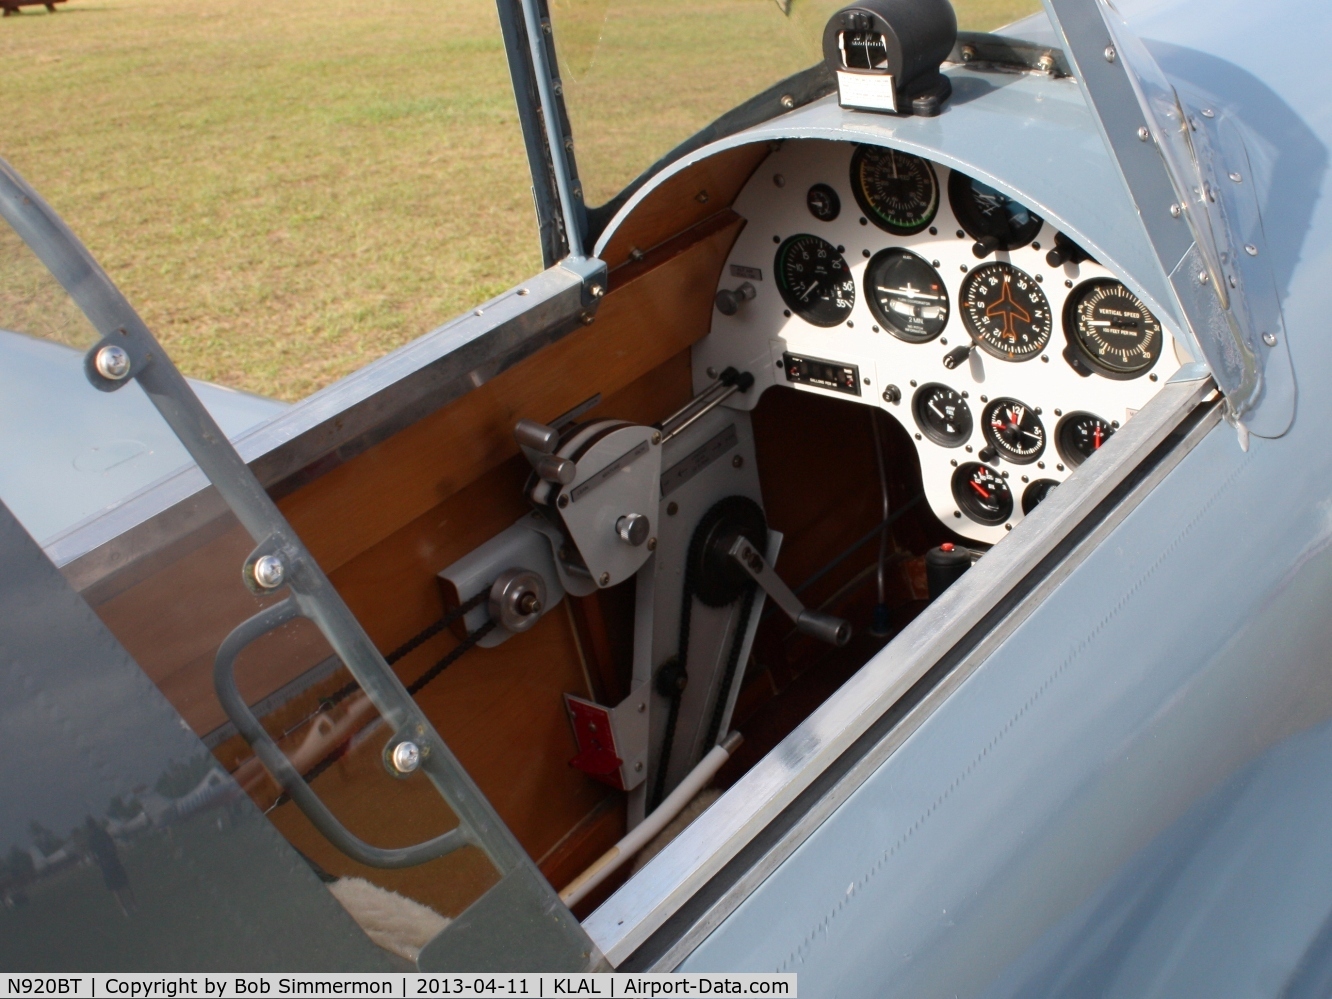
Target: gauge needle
<point>934,405</point>
<point>809,290</point>
<point>980,489</point>
<point>1096,438</point>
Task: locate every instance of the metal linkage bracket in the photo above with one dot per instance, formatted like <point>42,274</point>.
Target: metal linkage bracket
<point>612,742</point>
<point>128,351</point>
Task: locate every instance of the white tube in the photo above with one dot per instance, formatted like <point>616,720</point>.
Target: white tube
<point>639,837</point>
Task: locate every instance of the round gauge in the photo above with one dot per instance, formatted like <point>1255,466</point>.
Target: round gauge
<point>982,494</point>
<point>1079,436</point>
<point>1005,311</point>
<point>898,192</point>
<point>823,203</point>
<point>907,295</point>
<point>942,415</point>
<point>1111,330</point>
<point>1035,493</point>
<point>814,280</point>
<point>1014,430</point>
<point>993,220</point>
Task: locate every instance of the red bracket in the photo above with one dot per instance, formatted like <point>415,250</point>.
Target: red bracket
<point>597,756</point>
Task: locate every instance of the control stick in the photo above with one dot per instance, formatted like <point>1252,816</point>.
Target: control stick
<point>824,627</point>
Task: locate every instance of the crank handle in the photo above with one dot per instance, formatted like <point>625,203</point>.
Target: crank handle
<point>824,627</point>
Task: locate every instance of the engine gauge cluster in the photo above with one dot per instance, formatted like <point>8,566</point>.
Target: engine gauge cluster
<point>934,295</point>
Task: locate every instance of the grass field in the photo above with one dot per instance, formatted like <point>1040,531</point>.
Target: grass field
<point>287,191</point>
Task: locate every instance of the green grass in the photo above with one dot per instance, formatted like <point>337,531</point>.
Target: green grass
<point>288,191</point>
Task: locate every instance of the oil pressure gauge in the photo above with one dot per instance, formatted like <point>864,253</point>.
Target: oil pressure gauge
<point>1014,430</point>
<point>1080,435</point>
<point>1110,331</point>
<point>982,494</point>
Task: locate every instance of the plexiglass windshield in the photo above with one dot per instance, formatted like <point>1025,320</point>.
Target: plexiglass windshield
<point>641,76</point>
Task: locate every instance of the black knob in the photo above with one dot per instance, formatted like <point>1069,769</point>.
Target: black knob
<point>984,246</point>
<point>892,394</point>
<point>1065,251</point>
<point>987,453</point>
<point>956,356</point>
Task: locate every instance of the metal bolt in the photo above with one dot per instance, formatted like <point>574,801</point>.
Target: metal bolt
<point>269,571</point>
<point>1250,249</point>
<point>672,508</point>
<point>562,502</point>
<point>1208,113</point>
<point>737,461</point>
<point>968,53</point>
<point>406,757</point>
<point>712,372</point>
<point>605,579</point>
<point>778,180</point>
<point>701,197</point>
<point>1143,134</point>
<point>1270,339</point>
<point>656,437</point>
<point>788,101</point>
<point>1202,277</point>
<point>597,291</point>
<point>1045,63</point>
<point>112,362</point>
<point>652,544</point>
<point>1237,177</point>
<point>638,767</point>
<point>1109,53</point>
<point>1176,211</point>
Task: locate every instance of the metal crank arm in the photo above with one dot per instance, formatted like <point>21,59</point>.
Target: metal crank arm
<point>824,627</point>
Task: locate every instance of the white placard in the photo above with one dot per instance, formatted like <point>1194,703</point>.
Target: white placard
<point>866,91</point>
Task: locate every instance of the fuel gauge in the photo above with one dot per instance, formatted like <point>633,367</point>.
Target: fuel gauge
<point>1080,435</point>
<point>942,414</point>
<point>982,494</point>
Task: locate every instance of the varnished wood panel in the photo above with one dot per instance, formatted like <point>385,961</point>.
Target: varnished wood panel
<point>684,200</point>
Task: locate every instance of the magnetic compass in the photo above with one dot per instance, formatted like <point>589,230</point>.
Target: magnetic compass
<point>1110,330</point>
<point>1014,430</point>
<point>814,280</point>
<point>898,192</point>
<point>942,415</point>
<point>1080,435</point>
<point>982,494</point>
<point>906,295</point>
<point>995,221</point>
<point>1005,311</point>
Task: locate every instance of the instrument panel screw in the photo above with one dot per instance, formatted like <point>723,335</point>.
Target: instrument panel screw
<point>1109,53</point>
<point>788,101</point>
<point>672,508</point>
<point>778,180</point>
<point>112,362</point>
<point>562,502</point>
<point>406,757</point>
<point>1270,339</point>
<point>1237,177</point>
<point>1143,134</point>
<point>605,579</point>
<point>701,197</point>
<point>652,544</point>
<point>656,437</point>
<point>1250,249</point>
<point>738,461</point>
<point>1202,277</point>
<point>1176,211</point>
<point>1208,113</point>
<point>638,767</point>
<point>269,571</point>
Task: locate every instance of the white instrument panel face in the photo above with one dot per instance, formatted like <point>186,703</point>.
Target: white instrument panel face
<point>788,196</point>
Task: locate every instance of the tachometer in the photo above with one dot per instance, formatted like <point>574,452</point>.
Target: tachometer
<point>942,415</point>
<point>982,494</point>
<point>907,295</point>
<point>1005,311</point>
<point>898,192</point>
<point>1080,435</point>
<point>1014,430</point>
<point>814,280</point>
<point>1110,330</point>
<point>995,221</point>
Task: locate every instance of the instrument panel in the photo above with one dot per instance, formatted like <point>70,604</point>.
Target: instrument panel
<point>1007,353</point>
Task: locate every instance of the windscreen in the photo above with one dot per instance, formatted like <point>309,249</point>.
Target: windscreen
<point>641,76</point>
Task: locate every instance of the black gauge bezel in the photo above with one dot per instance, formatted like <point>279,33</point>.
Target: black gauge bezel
<point>974,276</point>
<point>795,305</point>
<point>834,201</point>
<point>969,506</point>
<point>933,433</point>
<point>1029,498</point>
<point>1080,350</point>
<point>1070,455</point>
<point>885,318</point>
<point>969,218</point>
<point>999,444</point>
<point>866,203</point>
